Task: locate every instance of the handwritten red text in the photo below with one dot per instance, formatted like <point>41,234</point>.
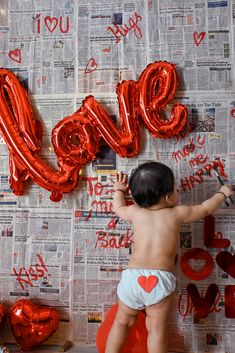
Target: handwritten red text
<point>113,241</point>
<point>189,148</point>
<point>186,307</point>
<point>96,188</point>
<point>52,22</point>
<point>199,159</point>
<point>30,275</point>
<point>121,31</point>
<point>189,182</point>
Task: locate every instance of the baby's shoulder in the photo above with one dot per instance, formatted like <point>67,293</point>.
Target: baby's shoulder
<point>175,211</point>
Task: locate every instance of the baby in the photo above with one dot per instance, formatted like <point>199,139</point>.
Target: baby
<point>148,283</point>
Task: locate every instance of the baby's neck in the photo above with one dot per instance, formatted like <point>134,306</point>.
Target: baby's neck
<point>158,206</point>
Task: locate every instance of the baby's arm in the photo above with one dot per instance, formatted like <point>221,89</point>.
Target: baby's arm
<point>188,214</point>
<point>119,202</point>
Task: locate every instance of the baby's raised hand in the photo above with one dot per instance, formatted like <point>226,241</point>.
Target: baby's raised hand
<point>121,181</point>
<point>227,190</point>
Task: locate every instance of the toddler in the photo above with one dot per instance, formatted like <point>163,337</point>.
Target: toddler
<point>148,283</point>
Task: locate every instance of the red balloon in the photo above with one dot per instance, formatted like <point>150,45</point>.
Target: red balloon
<point>2,316</point>
<point>32,324</point>
<point>136,341</point>
<point>76,138</point>
<point>157,86</point>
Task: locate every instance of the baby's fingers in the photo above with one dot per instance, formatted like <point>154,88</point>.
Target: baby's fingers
<point>119,177</point>
<point>124,178</point>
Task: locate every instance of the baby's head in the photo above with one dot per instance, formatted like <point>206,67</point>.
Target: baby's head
<point>149,182</point>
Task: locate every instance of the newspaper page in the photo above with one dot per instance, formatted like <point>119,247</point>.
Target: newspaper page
<point>70,254</point>
<point>35,247</point>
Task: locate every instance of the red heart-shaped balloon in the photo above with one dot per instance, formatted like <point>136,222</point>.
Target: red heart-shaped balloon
<point>32,324</point>
<point>136,341</point>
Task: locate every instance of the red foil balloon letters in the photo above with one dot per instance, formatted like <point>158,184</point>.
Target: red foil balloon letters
<point>144,98</point>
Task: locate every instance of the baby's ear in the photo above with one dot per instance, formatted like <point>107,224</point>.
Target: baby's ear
<point>167,198</point>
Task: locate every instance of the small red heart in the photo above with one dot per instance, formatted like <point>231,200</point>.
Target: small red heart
<point>91,66</point>
<point>226,261</point>
<point>15,55</point>
<point>51,23</point>
<point>147,283</point>
<point>198,37</point>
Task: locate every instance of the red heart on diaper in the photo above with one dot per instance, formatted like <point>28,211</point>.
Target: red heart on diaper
<point>147,283</point>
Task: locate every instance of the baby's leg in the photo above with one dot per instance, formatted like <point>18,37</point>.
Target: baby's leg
<point>157,326</point>
<point>124,320</point>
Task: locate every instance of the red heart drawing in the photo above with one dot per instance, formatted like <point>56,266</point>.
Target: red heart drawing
<point>198,37</point>
<point>226,261</point>
<point>51,23</point>
<point>91,66</point>
<point>147,283</point>
<point>32,324</point>
<point>202,304</point>
<point>15,55</point>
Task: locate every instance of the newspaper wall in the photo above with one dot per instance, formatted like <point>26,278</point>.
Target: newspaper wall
<point>76,249</point>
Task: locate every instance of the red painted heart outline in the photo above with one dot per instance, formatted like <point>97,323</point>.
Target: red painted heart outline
<point>15,55</point>
<point>147,283</point>
<point>51,20</point>
<point>198,37</point>
<point>91,66</point>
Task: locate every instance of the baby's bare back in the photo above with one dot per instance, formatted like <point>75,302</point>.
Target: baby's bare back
<point>155,238</point>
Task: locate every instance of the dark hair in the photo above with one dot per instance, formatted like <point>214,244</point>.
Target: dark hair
<point>149,182</point>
